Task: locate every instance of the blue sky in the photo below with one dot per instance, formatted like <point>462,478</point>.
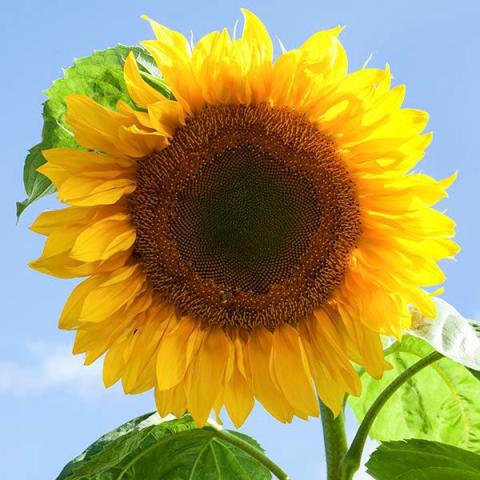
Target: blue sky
<point>51,407</point>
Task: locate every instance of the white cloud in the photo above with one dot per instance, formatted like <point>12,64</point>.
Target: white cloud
<point>50,366</point>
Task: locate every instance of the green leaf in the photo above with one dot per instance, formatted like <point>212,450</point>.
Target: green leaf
<point>152,448</point>
<point>449,333</point>
<point>423,460</point>
<point>36,184</point>
<point>99,76</point>
<point>439,403</point>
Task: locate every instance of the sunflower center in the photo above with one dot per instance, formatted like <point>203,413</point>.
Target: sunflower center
<point>247,218</point>
<point>250,218</point>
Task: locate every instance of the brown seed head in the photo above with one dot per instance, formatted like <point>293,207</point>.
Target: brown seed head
<point>247,218</point>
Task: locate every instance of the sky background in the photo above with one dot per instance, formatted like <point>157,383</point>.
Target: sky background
<point>51,407</point>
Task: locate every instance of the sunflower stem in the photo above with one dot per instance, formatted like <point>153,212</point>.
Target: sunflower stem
<point>334,438</point>
<point>351,461</point>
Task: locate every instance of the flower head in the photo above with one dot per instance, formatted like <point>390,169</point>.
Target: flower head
<point>251,237</point>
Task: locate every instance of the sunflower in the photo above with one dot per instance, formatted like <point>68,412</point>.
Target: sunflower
<point>252,236</point>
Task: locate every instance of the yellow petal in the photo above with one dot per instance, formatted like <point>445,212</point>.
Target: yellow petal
<point>330,393</point>
<point>239,399</point>
<point>84,191</point>
<point>171,53</point>
<point>206,375</point>
<point>324,55</point>
<point>75,160</point>
<point>103,239</point>
<point>87,178</point>
<point>328,348</point>
<point>447,182</point>
<point>219,72</point>
<point>143,141</point>
<point>166,116</point>
<point>94,339</point>
<point>114,363</point>
<point>53,219</point>
<point>99,128</point>
<point>259,354</point>
<point>256,47</point>
<point>139,90</point>
<point>172,359</point>
<point>364,345</point>
<point>95,126</point>
<point>113,292</point>
<point>256,35</point>
<point>172,401</point>
<point>63,266</point>
<point>290,366</point>
<point>73,307</point>
<point>139,373</point>
<point>303,76</point>
<point>169,37</point>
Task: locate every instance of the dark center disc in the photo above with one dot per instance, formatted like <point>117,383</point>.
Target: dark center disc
<point>247,218</point>
<point>251,219</point>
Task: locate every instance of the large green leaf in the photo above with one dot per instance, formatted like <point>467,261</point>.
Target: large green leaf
<point>449,333</point>
<point>151,448</point>
<point>423,460</point>
<point>99,76</point>
<point>438,403</point>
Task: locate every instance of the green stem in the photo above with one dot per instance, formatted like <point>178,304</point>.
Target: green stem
<point>352,459</point>
<point>335,440</point>
<point>216,433</point>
